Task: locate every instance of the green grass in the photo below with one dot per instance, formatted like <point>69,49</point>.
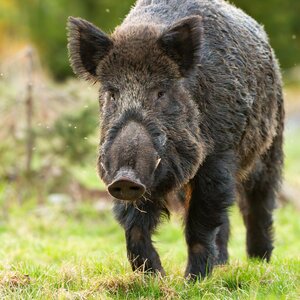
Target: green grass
<point>76,252</point>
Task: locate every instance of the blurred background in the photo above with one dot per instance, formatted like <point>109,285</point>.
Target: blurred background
<point>49,120</point>
<point>58,237</point>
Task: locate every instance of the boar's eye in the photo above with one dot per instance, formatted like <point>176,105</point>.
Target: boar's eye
<point>160,94</point>
<point>111,95</point>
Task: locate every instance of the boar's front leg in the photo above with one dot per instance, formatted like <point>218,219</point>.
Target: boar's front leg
<point>139,221</point>
<point>213,190</point>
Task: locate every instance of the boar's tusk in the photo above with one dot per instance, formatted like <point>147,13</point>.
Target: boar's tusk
<point>157,163</point>
<point>102,165</point>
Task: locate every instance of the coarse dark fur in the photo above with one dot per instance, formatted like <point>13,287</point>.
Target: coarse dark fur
<point>196,84</point>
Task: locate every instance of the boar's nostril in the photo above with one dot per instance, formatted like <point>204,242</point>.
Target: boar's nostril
<point>126,189</point>
<point>134,188</point>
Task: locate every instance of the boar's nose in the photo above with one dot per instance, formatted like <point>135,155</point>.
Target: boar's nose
<point>126,188</point>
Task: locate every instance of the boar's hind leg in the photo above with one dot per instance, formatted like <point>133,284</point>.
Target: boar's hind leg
<point>139,223</point>
<point>213,192</point>
<point>260,195</point>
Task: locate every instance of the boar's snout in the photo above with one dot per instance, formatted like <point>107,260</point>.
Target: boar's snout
<point>130,160</point>
<point>126,187</point>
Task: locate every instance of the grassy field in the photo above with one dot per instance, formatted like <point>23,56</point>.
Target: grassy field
<point>77,252</point>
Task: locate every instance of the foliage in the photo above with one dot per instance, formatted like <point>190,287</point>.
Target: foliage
<point>75,135</point>
<point>282,23</point>
<point>44,22</point>
<point>76,252</point>
<point>65,131</point>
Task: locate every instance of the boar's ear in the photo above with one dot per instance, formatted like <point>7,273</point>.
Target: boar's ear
<point>87,45</point>
<point>182,43</point>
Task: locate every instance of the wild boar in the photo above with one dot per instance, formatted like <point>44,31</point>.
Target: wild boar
<point>190,101</point>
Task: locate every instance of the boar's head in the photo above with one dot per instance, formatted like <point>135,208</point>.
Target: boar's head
<point>150,136</point>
